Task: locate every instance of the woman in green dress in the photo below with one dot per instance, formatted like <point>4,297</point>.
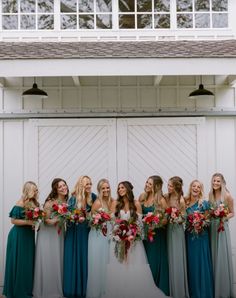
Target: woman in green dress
<point>19,271</point>
<point>176,239</point>
<point>221,250</point>
<point>152,200</point>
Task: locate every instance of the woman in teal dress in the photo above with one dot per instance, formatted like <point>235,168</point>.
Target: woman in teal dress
<point>76,242</point>
<point>152,200</point>
<point>98,244</point>
<point>200,274</point>
<point>221,249</point>
<point>178,278</point>
<point>19,270</point>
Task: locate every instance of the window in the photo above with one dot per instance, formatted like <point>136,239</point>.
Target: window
<point>86,14</point>
<point>113,14</point>
<point>27,14</point>
<point>144,14</point>
<point>202,13</point>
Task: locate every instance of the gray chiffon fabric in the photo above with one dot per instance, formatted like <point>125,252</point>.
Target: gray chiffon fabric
<point>48,275</point>
<point>221,260</point>
<point>177,261</point>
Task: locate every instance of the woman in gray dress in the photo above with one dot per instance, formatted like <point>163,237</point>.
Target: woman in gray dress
<point>48,276</point>
<point>221,250</point>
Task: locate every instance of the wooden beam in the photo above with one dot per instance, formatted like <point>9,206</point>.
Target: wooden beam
<point>76,81</point>
<point>232,81</point>
<point>157,80</point>
<point>2,81</point>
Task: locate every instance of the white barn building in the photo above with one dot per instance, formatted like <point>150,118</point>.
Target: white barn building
<point>118,76</point>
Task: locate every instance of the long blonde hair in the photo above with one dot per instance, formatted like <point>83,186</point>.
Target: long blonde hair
<point>80,193</point>
<point>224,189</point>
<point>29,194</point>
<point>188,197</point>
<point>99,189</point>
<point>157,189</point>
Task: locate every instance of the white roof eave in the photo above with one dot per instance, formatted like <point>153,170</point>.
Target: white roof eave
<point>117,67</point>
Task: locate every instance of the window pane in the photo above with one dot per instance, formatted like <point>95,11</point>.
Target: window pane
<point>202,5</point>
<point>161,5</point>
<point>68,22</point>
<point>202,20</point>
<point>46,22</point>
<point>104,21</point>
<point>45,6</point>
<point>162,21</point>
<point>86,21</point>
<point>9,6</point>
<point>86,6</point>
<point>220,5</point>
<point>144,5</point>
<point>184,5</point>
<point>126,21</point>
<point>68,5</point>
<point>144,21</point>
<point>184,21</point>
<point>27,6</point>
<point>104,5</point>
<point>220,20</point>
<point>27,22</point>
<point>9,22</point>
<point>126,5</point>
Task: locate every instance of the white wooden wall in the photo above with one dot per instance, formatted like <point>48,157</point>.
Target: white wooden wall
<point>214,137</point>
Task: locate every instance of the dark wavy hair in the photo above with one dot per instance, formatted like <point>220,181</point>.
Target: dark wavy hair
<point>130,196</point>
<point>53,194</point>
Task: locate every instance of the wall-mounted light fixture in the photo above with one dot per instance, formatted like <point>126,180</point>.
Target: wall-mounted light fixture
<point>35,91</point>
<point>200,91</point>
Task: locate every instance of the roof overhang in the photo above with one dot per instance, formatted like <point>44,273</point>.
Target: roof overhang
<point>117,67</point>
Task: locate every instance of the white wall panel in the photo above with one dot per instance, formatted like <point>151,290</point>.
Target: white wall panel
<point>13,169</point>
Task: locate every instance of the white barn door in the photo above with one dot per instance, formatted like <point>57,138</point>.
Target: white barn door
<point>117,149</point>
<point>68,148</point>
<point>161,146</point>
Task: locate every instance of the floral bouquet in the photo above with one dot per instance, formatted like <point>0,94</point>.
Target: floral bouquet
<point>61,211</point>
<point>99,221</point>
<point>174,216</point>
<point>77,215</point>
<point>36,214</point>
<point>151,222</point>
<point>124,234</point>
<point>221,213</point>
<point>197,222</point>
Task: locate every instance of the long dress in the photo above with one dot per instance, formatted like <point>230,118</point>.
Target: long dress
<point>221,252</point>
<point>48,276</point>
<point>19,269</point>
<point>76,256</point>
<point>177,261</point>
<point>157,255</point>
<point>200,274</point>
<point>98,255</point>
<point>132,278</point>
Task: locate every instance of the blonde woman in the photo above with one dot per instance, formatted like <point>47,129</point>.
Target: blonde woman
<point>220,240</point>
<point>176,242</point>
<point>19,269</point>
<point>152,200</point>
<point>200,274</point>
<point>98,244</point>
<point>76,242</point>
